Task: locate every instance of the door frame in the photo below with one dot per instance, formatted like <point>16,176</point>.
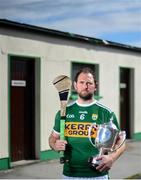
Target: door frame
<point>37,61</point>
<point>131,95</point>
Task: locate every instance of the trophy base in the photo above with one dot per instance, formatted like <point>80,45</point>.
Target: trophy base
<point>93,163</point>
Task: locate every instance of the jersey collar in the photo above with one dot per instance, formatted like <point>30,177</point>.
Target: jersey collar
<point>86,105</point>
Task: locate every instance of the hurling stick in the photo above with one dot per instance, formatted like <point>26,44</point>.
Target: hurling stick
<point>63,85</point>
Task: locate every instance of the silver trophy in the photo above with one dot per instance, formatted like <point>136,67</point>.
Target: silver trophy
<point>106,139</point>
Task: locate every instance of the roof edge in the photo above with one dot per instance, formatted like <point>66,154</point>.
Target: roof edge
<point>6,22</point>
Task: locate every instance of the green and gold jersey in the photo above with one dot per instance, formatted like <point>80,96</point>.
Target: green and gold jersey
<point>78,119</point>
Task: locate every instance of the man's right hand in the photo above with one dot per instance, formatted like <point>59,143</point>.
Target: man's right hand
<point>60,145</point>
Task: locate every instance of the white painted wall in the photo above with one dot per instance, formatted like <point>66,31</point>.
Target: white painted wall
<point>56,57</point>
<point>4,129</point>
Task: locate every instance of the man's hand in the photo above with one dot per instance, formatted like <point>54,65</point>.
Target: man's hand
<point>55,143</point>
<point>106,162</point>
<point>60,145</point>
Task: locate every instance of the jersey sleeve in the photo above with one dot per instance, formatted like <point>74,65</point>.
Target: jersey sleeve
<point>57,122</point>
<point>113,116</point>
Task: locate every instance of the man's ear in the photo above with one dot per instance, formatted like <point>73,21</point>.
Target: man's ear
<point>74,84</point>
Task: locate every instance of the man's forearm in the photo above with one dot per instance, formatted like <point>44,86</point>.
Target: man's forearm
<point>55,143</point>
<point>52,141</point>
<point>116,154</point>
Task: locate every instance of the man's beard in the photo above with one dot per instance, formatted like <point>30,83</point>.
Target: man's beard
<point>86,97</point>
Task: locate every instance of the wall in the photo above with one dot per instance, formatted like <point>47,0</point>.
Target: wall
<point>56,56</point>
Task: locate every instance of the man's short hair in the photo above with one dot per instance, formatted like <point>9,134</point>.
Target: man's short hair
<point>85,70</point>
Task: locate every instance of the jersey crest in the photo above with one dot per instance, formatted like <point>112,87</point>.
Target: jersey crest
<point>94,117</point>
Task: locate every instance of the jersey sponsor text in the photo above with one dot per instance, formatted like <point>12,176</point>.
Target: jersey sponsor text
<point>78,129</point>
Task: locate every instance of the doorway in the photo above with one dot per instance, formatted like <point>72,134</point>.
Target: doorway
<point>127,100</point>
<point>22,108</point>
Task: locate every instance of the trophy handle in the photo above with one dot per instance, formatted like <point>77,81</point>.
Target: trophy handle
<point>89,133</point>
<point>123,134</point>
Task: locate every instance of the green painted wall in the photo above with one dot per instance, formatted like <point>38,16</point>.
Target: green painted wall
<point>137,136</point>
<point>4,164</point>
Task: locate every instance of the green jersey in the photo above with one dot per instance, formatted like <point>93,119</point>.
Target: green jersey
<point>78,119</point>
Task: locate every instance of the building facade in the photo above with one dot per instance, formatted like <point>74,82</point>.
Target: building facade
<point>31,57</point>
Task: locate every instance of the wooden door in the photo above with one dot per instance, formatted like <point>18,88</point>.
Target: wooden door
<point>125,101</point>
<point>22,108</point>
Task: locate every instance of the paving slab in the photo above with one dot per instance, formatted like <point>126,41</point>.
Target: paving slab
<point>126,166</point>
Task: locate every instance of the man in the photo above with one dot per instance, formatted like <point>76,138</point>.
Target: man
<point>79,117</point>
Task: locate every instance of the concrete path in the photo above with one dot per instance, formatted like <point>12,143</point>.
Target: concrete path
<point>127,165</point>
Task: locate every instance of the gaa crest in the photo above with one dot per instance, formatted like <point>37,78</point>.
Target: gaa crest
<point>94,117</point>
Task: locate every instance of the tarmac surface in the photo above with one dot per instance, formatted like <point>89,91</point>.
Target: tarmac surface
<point>128,165</point>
